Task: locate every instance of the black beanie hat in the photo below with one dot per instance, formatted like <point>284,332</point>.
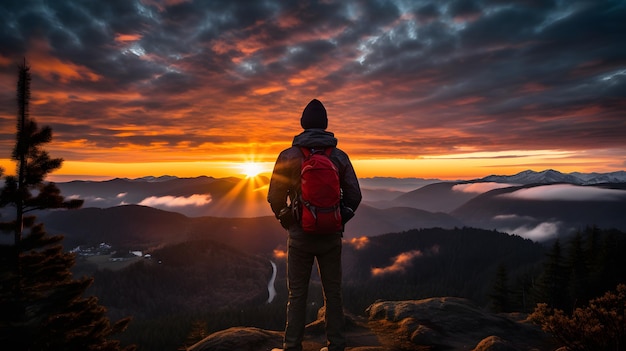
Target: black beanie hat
<point>314,116</point>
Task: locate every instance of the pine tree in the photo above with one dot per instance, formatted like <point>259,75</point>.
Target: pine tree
<point>553,282</point>
<point>579,271</point>
<point>521,291</point>
<point>42,305</point>
<point>500,292</point>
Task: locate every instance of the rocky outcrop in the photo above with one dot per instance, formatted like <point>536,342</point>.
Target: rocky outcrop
<point>239,338</point>
<point>449,323</point>
<point>444,323</point>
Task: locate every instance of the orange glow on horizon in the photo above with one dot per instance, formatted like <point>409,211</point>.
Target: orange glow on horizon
<point>451,167</point>
<point>185,163</point>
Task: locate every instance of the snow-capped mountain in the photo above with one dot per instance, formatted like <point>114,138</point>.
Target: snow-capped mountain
<point>599,178</point>
<point>551,176</point>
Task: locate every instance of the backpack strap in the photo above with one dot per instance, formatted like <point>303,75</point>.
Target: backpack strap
<point>305,151</point>
<point>310,151</point>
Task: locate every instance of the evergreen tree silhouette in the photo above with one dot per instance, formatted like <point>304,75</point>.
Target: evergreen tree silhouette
<point>553,282</point>
<point>500,295</point>
<point>578,265</point>
<point>42,305</point>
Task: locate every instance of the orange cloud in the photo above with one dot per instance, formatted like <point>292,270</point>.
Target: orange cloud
<point>280,254</point>
<point>50,67</point>
<point>400,263</point>
<point>288,21</point>
<point>359,243</point>
<point>4,61</point>
<point>404,261</point>
<point>268,90</point>
<point>122,38</point>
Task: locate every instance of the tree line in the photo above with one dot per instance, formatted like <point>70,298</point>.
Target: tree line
<point>579,296</point>
<point>43,306</point>
<point>582,268</point>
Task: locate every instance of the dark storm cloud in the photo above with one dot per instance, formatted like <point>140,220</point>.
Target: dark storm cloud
<point>552,74</point>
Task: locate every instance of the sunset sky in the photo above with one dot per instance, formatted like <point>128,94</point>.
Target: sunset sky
<point>428,88</point>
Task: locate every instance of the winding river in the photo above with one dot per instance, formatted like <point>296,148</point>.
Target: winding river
<point>270,286</point>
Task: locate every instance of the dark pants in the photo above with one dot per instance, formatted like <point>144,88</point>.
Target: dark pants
<point>302,252</point>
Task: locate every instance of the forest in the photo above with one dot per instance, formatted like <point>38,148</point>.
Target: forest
<point>500,272</point>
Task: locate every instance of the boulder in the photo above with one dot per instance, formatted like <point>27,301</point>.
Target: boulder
<point>449,323</point>
<point>239,338</point>
<point>494,343</point>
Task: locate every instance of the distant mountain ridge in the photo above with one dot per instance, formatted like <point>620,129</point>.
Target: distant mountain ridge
<point>532,204</point>
<point>549,176</point>
<point>199,196</point>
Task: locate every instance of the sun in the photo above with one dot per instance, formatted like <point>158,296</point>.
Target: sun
<point>251,169</point>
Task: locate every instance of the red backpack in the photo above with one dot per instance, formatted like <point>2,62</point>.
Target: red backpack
<point>320,212</point>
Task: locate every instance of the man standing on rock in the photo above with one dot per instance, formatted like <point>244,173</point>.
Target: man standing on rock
<point>303,246</point>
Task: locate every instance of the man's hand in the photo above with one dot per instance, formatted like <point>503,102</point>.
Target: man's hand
<point>346,214</point>
<point>285,216</point>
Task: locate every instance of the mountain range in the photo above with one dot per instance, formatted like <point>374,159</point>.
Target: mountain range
<point>538,205</point>
<point>551,176</point>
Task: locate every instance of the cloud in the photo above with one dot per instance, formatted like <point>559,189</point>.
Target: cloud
<point>121,195</point>
<point>87,198</point>
<point>359,243</point>
<point>479,187</point>
<point>177,201</point>
<point>540,232</point>
<point>567,192</point>
<point>510,217</point>
<point>400,263</point>
<point>404,261</point>
<point>280,254</point>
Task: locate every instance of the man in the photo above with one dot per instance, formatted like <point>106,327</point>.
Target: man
<point>304,247</point>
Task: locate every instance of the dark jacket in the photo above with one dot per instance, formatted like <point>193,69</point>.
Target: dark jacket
<point>286,175</point>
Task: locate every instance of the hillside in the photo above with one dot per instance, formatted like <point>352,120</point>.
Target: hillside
<point>437,197</point>
<point>129,226</point>
<point>434,262</point>
<point>193,197</point>
<point>184,278</point>
<point>543,212</point>
<point>142,228</point>
<point>371,221</point>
